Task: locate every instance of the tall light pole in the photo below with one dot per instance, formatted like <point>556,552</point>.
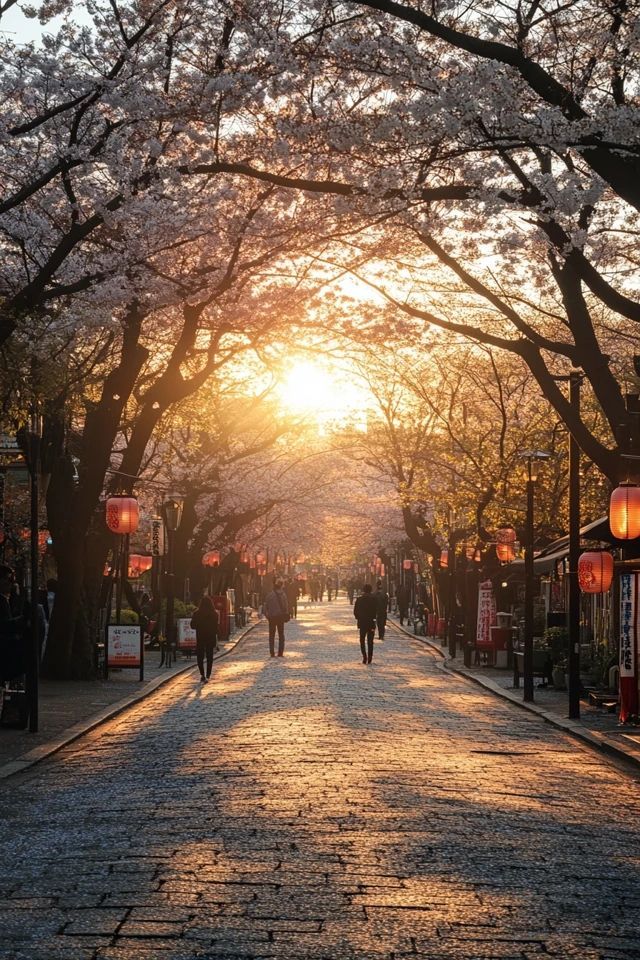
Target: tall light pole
<point>172,514</point>
<point>33,659</point>
<point>530,456</point>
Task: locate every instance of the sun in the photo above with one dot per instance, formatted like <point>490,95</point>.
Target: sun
<point>316,390</point>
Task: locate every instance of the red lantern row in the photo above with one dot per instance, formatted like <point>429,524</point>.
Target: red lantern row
<point>212,558</point>
<point>624,512</point>
<point>122,514</point>
<point>506,551</point>
<point>595,571</point>
<point>139,564</point>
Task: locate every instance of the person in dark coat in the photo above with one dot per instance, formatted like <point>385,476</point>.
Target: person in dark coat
<point>402,599</point>
<point>205,623</point>
<point>365,610</point>
<point>382,600</point>
<point>276,610</point>
<point>291,590</point>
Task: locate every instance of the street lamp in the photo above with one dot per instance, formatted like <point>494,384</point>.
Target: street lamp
<point>33,659</point>
<point>172,513</point>
<point>530,456</point>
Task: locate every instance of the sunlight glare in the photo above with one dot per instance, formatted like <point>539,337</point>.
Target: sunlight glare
<point>312,389</point>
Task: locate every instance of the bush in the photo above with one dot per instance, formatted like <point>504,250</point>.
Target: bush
<point>557,640</point>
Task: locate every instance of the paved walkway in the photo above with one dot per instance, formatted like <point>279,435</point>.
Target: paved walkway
<point>596,727</point>
<point>68,709</point>
<point>313,807</point>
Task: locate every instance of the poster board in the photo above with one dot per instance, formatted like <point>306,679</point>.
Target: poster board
<point>486,614</point>
<point>186,634</point>
<point>124,645</point>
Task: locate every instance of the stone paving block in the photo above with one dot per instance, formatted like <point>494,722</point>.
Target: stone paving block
<point>307,810</point>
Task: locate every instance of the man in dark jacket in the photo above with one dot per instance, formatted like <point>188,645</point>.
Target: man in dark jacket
<point>365,610</point>
<point>402,598</point>
<point>382,600</point>
<point>276,609</point>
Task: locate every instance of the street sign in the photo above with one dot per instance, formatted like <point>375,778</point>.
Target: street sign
<point>157,537</point>
<point>8,444</point>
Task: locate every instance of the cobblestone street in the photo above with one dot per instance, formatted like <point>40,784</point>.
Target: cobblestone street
<point>314,807</point>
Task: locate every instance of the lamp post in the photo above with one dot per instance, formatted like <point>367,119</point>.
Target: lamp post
<point>172,513</point>
<point>33,657</point>
<point>530,456</point>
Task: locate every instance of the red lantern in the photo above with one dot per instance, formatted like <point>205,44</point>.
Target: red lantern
<point>506,535</point>
<point>624,512</point>
<point>506,552</point>
<point>134,565</point>
<point>382,569</point>
<point>214,558</point>
<point>122,514</point>
<point>595,571</point>
<point>444,558</point>
<point>477,557</point>
<point>407,564</point>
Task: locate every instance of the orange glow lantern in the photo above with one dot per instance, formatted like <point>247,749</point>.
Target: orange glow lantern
<point>214,558</point>
<point>506,535</point>
<point>506,552</point>
<point>122,514</point>
<point>595,571</point>
<point>382,570</point>
<point>624,512</point>
<point>407,564</point>
<point>444,558</point>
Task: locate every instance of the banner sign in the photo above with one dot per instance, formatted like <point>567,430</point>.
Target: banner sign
<point>628,645</point>
<point>186,635</point>
<point>157,537</point>
<point>486,613</point>
<point>123,645</point>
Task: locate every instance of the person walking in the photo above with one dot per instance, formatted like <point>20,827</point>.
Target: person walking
<point>276,608</point>
<point>402,599</point>
<point>365,610</point>
<point>205,623</point>
<point>329,589</point>
<point>382,606</point>
<point>291,590</point>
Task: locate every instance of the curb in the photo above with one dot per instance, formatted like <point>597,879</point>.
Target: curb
<point>83,727</point>
<point>598,741</point>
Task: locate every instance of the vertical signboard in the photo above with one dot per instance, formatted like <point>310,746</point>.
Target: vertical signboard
<point>486,613</point>
<point>628,646</point>
<point>157,537</point>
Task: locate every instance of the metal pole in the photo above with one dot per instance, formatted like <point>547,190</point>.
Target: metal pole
<point>452,598</point>
<point>574,551</point>
<point>170,591</point>
<point>33,662</point>
<point>528,592</point>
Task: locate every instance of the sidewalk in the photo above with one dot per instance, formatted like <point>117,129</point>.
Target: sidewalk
<point>595,727</point>
<point>69,709</point>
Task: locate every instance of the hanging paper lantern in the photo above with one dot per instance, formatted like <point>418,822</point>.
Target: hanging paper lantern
<point>382,569</point>
<point>122,514</point>
<point>506,552</point>
<point>595,571</point>
<point>506,535</point>
<point>477,557</point>
<point>624,512</point>
<point>444,558</point>
<point>407,564</point>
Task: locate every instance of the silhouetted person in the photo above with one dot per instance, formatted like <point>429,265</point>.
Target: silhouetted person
<point>291,590</point>
<point>329,589</point>
<point>365,610</point>
<point>382,606</point>
<point>205,623</point>
<point>276,609</point>
<point>402,599</point>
